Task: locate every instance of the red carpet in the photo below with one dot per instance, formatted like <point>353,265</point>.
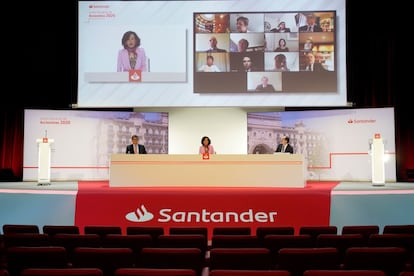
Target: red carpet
<point>99,204</point>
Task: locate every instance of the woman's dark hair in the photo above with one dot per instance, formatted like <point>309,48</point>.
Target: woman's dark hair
<point>127,35</point>
<point>205,137</point>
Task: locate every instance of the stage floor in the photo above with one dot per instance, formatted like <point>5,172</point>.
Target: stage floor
<point>73,186</point>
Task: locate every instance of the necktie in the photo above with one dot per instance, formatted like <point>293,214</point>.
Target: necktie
<point>135,149</point>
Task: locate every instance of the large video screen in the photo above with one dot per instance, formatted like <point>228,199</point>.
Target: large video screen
<point>265,52</point>
<point>236,53</point>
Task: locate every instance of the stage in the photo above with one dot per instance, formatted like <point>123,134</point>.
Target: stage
<point>96,203</point>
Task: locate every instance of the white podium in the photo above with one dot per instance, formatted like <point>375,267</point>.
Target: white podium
<point>44,160</point>
<point>378,166</point>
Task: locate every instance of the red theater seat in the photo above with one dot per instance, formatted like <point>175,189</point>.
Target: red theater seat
<point>298,260</point>
<point>106,259</point>
<point>22,257</point>
<point>365,230</point>
<point>154,272</point>
<point>139,230</point>
<point>229,272</point>
<point>172,258</point>
<point>26,239</point>
<point>240,259</point>
<point>399,229</point>
<point>102,230</point>
<point>262,231</point>
<point>340,242</point>
<point>315,231</point>
<point>183,241</point>
<point>344,273</point>
<point>391,260</point>
<point>51,230</point>
<point>135,242</point>
<point>189,230</point>
<point>72,241</point>
<point>231,231</point>
<point>20,228</point>
<point>62,272</point>
<point>235,241</point>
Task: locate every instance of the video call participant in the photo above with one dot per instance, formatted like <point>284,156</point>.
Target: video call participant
<point>132,56</point>
<point>311,25</point>
<point>213,46</point>
<point>265,86</point>
<point>135,147</point>
<point>209,66</point>
<point>311,64</point>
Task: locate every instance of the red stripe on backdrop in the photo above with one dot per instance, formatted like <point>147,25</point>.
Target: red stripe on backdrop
<point>99,204</point>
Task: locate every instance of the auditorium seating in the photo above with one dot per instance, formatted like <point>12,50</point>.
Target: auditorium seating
<point>235,241</point>
<point>189,230</point>
<point>399,229</point>
<point>170,258</point>
<point>276,242</point>
<point>186,249</point>
<point>20,228</point>
<point>26,239</point>
<point>135,242</point>
<point>262,231</point>
<point>391,260</point>
<point>231,231</point>
<point>365,230</point>
<point>72,241</point>
<point>298,260</point>
<point>315,231</point>
<point>102,230</point>
<point>340,242</point>
<point>240,259</point>
<point>183,241</point>
<point>61,272</point>
<point>155,272</point>
<point>106,259</point>
<point>235,272</point>
<point>51,230</point>
<point>339,272</point>
<point>153,231</point>
<point>22,257</point>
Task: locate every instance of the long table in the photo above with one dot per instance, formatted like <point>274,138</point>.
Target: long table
<point>220,170</point>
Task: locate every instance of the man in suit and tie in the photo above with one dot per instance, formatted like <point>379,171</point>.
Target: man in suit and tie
<point>284,146</point>
<point>311,65</point>
<point>135,147</point>
<point>311,25</point>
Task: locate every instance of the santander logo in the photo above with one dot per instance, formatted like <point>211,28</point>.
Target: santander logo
<point>166,215</point>
<point>361,121</point>
<point>140,215</point>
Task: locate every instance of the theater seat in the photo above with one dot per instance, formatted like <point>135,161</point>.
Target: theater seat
<point>344,273</point>
<point>229,272</point>
<point>62,272</point>
<point>154,272</point>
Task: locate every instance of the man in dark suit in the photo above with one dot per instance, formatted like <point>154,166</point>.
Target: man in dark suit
<point>311,65</point>
<point>135,147</point>
<point>311,25</point>
<point>284,146</point>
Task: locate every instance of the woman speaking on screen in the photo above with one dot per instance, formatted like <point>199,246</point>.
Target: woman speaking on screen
<point>132,56</point>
